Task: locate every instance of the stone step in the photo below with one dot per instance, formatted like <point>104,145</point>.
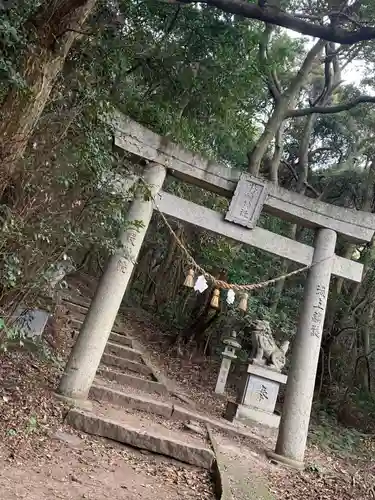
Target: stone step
<point>142,433</point>
<point>125,364</point>
<point>167,408</point>
<point>78,309</point>
<point>122,339</point>
<point>142,402</point>
<point>123,352</point>
<point>133,381</point>
<point>75,300</point>
<point>78,322</point>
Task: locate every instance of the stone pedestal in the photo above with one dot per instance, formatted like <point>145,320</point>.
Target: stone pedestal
<point>257,400</point>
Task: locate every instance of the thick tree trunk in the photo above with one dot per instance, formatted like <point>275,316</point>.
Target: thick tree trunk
<point>277,154</point>
<point>303,156</point>
<point>301,188</point>
<point>283,103</point>
<point>279,287</point>
<point>161,278</point>
<point>55,28</point>
<point>270,131</point>
<point>368,188</point>
<point>336,288</point>
<point>365,371</point>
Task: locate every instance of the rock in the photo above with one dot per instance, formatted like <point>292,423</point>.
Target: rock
<point>195,427</point>
<point>70,439</point>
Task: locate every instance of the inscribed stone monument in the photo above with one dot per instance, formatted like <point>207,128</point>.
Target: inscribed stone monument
<point>247,202</point>
<point>30,323</point>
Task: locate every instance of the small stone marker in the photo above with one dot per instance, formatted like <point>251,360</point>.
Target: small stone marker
<point>247,202</point>
<point>30,322</point>
<point>229,354</point>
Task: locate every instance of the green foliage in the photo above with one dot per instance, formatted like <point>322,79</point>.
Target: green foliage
<point>185,73</point>
<point>32,425</point>
<point>9,336</point>
<point>13,41</point>
<point>344,442</point>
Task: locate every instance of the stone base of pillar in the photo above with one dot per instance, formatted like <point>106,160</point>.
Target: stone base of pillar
<point>248,415</point>
<point>83,404</point>
<point>288,462</point>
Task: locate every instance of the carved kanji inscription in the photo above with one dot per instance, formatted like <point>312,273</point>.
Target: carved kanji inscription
<point>247,202</point>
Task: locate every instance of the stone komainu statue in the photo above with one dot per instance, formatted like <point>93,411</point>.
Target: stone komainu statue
<point>265,350</point>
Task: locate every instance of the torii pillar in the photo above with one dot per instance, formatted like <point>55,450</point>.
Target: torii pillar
<point>85,357</point>
<point>295,418</point>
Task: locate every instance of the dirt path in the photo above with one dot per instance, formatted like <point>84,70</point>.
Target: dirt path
<point>85,468</point>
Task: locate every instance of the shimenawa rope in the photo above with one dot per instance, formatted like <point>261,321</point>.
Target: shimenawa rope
<point>223,284</point>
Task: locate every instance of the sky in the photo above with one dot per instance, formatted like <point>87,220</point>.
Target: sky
<point>353,73</point>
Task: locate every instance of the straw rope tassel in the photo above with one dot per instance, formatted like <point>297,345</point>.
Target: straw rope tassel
<point>243,302</point>
<point>189,280</point>
<point>215,299</point>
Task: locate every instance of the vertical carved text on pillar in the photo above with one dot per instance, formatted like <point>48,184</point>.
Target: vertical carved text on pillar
<point>122,265</point>
<point>317,318</point>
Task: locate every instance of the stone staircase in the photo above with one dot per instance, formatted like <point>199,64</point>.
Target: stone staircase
<point>134,404</point>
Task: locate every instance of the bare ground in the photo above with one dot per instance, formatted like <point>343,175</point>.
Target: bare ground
<point>96,470</point>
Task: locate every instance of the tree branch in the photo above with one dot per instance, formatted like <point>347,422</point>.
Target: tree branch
<point>294,113</point>
<point>271,78</point>
<point>295,175</point>
<point>277,154</point>
<point>273,15</point>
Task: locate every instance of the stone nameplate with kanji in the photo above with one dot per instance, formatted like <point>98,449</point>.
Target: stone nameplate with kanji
<point>261,393</point>
<point>247,202</point>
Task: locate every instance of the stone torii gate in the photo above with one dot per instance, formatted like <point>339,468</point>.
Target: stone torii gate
<point>249,197</point>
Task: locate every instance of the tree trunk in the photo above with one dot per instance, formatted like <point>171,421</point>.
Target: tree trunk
<point>279,287</point>
<point>368,188</point>
<point>366,330</point>
<point>336,289</point>
<point>264,141</point>
<point>162,280</point>
<point>303,156</point>
<point>286,100</point>
<point>303,165</point>
<point>53,27</point>
<point>277,154</point>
